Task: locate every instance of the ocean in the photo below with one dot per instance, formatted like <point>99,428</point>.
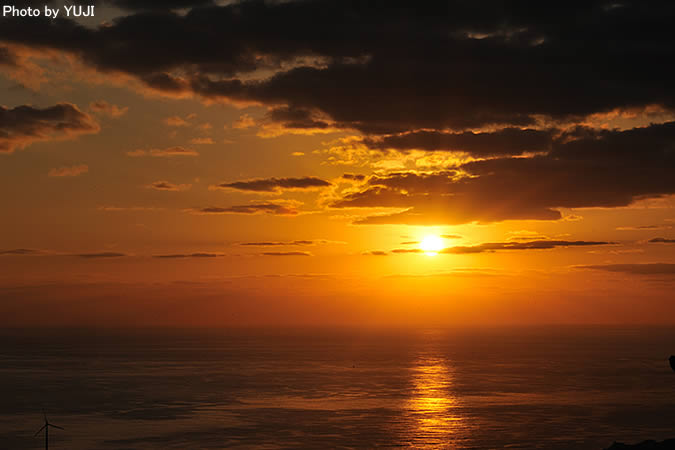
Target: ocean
<point>532,387</point>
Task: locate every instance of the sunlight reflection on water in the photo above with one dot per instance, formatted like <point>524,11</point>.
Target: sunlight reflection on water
<point>433,404</point>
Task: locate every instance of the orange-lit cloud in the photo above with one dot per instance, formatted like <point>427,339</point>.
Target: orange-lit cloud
<point>299,242</point>
<point>506,141</point>
<point>101,255</point>
<point>71,171</point>
<point>113,208</point>
<point>644,227</point>
<point>275,184</point>
<point>529,245</point>
<point>490,247</point>
<point>243,122</point>
<point>164,152</point>
<point>188,255</point>
<point>636,269</point>
<point>202,141</point>
<point>253,208</point>
<point>661,240</point>
<point>24,125</point>
<point>586,168</point>
<point>376,253</point>
<point>176,121</point>
<point>103,107</point>
<point>168,186</point>
<point>286,254</point>
<point>20,251</point>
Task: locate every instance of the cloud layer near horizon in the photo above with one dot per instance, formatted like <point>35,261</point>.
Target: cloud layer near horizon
<point>489,247</point>
<point>636,269</point>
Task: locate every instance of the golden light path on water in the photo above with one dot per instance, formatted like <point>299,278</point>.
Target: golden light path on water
<point>433,405</point>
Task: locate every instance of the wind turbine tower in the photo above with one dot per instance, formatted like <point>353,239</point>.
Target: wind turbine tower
<point>46,428</point>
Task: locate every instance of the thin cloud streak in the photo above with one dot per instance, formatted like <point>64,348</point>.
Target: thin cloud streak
<point>169,152</point>
<point>275,184</point>
<point>101,255</point>
<point>635,269</point>
<point>253,208</point>
<point>72,171</point>
<point>286,254</point>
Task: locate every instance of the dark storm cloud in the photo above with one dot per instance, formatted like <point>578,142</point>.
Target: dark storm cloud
<point>586,168</point>
<point>165,83</point>
<point>507,141</point>
<point>24,125</point>
<point>646,145</point>
<point>403,66</point>
<point>254,208</point>
<point>275,184</point>
<point>32,3</point>
<point>662,240</point>
<point>636,269</point>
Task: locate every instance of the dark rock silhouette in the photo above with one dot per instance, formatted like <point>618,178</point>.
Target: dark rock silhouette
<point>650,444</point>
<point>646,445</point>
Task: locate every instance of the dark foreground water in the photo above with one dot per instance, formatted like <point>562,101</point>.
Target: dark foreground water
<point>571,387</point>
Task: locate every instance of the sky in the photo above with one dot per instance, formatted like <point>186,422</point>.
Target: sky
<point>286,163</point>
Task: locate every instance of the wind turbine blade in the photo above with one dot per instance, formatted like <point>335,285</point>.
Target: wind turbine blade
<point>56,426</point>
<point>45,414</point>
<point>38,432</point>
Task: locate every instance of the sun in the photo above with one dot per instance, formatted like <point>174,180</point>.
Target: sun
<point>431,245</point>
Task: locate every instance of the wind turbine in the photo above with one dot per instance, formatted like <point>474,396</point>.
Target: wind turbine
<point>46,428</point>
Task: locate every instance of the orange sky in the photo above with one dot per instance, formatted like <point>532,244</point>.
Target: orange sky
<point>130,201</point>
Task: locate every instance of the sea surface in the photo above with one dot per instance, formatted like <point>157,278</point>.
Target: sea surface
<point>546,387</point>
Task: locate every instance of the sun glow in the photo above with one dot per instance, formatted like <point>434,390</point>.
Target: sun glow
<point>431,245</point>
